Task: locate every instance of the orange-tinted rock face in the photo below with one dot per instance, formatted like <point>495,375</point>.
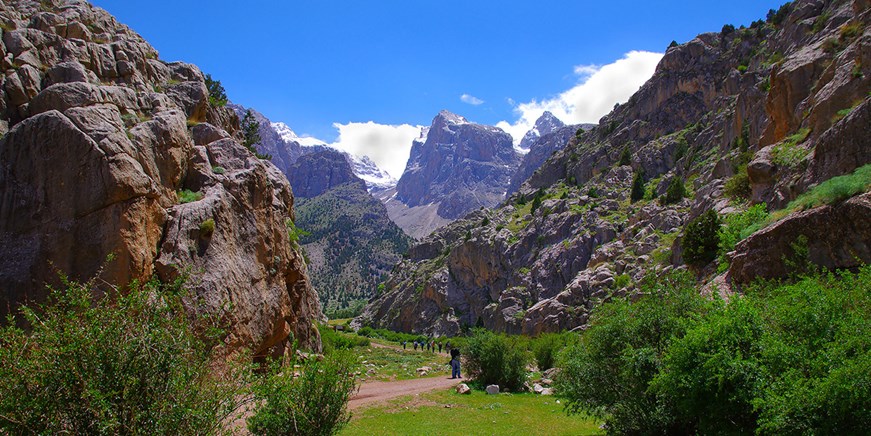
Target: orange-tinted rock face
<point>90,168</point>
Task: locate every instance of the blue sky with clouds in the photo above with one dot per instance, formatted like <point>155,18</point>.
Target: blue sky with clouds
<point>341,70</point>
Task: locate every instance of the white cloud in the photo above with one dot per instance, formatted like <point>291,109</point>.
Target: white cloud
<point>599,88</point>
<point>387,145</point>
<point>471,99</point>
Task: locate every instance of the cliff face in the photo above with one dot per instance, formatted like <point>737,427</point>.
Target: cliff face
<point>772,109</point>
<point>100,140</point>
<point>461,166</point>
<point>316,173</point>
<point>540,150</point>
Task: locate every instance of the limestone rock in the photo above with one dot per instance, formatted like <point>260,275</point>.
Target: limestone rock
<point>492,389</point>
<point>463,389</point>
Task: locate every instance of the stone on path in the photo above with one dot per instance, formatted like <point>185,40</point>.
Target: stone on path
<point>464,389</point>
<point>492,389</point>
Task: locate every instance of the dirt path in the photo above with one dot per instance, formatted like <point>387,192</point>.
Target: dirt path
<point>379,392</point>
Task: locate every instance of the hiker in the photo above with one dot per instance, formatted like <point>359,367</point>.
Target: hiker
<point>403,345</point>
<point>415,345</point>
<point>440,347</point>
<point>427,347</point>
<point>455,364</point>
<point>448,347</point>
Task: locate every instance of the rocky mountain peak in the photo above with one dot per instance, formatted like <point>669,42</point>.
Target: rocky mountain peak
<point>460,166</point>
<point>544,125</point>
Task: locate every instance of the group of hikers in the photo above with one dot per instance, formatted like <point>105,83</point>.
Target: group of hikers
<point>431,347</point>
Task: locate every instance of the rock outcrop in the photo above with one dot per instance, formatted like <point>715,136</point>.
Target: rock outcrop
<point>544,125</point>
<point>761,113</point>
<point>101,140</point>
<point>316,173</point>
<point>540,150</point>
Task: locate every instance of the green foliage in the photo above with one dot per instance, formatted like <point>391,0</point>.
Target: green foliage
<point>315,403</point>
<point>637,192</point>
<point>333,340</point>
<point>217,94</point>
<point>676,191</point>
<point>354,308</point>
<point>608,372</point>
<point>122,363</point>
<point>621,281</point>
<point>834,190</point>
<point>735,229</point>
<point>738,186</point>
<point>701,239</point>
<point>788,153</point>
<point>218,170</point>
<point>294,233</point>
<point>546,347</point>
<point>673,44</point>
<point>625,157</point>
<point>593,192</point>
<point>496,359</point>
<point>188,196</point>
<point>536,203</point>
<point>207,228</point>
<point>781,359</point>
<point>777,17</point>
<point>251,134</point>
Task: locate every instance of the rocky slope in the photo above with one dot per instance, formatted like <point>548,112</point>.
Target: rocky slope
<point>758,114</point>
<point>460,167</point>
<point>102,144</point>
<point>316,173</point>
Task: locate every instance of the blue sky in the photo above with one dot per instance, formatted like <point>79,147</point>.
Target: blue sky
<point>319,64</point>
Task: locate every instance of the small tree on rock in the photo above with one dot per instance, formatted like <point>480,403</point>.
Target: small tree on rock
<point>676,191</point>
<point>251,134</point>
<point>701,239</point>
<point>637,187</point>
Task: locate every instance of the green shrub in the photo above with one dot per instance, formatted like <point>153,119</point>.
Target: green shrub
<point>207,228</point>
<point>701,239</point>
<point>637,192</point>
<point>333,340</point>
<point>217,94</point>
<point>218,170</point>
<point>738,186</point>
<point>315,403</point>
<point>625,157</point>
<point>735,229</point>
<point>607,374</point>
<point>546,347</point>
<point>788,153</point>
<point>621,281</point>
<point>676,191</point>
<point>188,196</point>
<point>496,359</point>
<point>123,363</point>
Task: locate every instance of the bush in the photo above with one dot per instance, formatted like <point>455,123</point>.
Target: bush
<point>608,372</point>
<point>637,192</point>
<point>546,347</point>
<point>333,340</point>
<point>217,94</point>
<point>496,359</point>
<point>701,239</point>
<point>738,186</point>
<point>736,226</point>
<point>118,364</point>
<point>625,157</point>
<point>207,228</point>
<point>676,191</point>
<point>251,134</point>
<point>315,403</point>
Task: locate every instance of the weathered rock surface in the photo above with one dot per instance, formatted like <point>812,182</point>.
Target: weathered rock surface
<point>97,148</point>
<point>462,166</point>
<point>539,151</point>
<point>831,237</point>
<point>782,103</point>
<point>546,124</point>
<point>316,173</point>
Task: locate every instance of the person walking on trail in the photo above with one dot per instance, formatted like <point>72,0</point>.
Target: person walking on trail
<point>403,345</point>
<point>415,345</point>
<point>440,347</point>
<point>455,364</point>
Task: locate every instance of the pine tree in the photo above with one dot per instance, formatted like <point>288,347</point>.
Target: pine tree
<point>251,134</point>
<point>637,187</point>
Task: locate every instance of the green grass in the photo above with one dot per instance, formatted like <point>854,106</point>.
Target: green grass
<point>389,364</point>
<point>788,153</point>
<point>449,413</point>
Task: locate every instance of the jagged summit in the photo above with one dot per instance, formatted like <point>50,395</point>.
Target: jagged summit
<point>544,125</point>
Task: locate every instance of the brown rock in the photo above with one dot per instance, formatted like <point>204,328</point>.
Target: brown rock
<point>836,237</point>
